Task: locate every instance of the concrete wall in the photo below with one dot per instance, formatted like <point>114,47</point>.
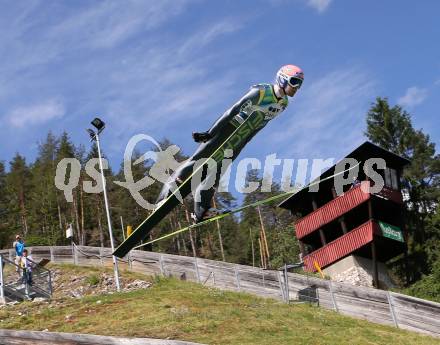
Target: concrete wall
<point>356,270</point>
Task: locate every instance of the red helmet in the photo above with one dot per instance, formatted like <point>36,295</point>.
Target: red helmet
<point>290,75</point>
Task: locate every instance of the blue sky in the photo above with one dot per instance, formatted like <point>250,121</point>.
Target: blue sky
<point>167,68</point>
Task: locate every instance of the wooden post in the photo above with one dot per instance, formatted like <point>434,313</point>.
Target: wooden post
<point>262,260</point>
<point>264,238</point>
<point>405,258</point>
<point>302,248</point>
<point>393,313</point>
<point>2,294</point>
<point>252,246</point>
<point>197,270</point>
<point>405,238</point>
<point>373,248</point>
<point>283,294</point>
<point>219,233</point>
<point>322,236</point>
<point>72,245</point>
<point>286,284</point>
<point>190,233</point>
<point>321,232</point>
<point>177,242</point>
<point>50,283</point>
<point>76,255</point>
<point>375,272</point>
<point>370,210</point>
<point>343,225</point>
<point>341,220</point>
<point>122,227</point>
<point>52,257</point>
<point>162,268</point>
<point>179,236</point>
<point>332,294</point>
<point>237,278</point>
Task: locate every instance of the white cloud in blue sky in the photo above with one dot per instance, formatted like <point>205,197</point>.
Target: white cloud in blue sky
<point>167,68</point>
<point>319,5</point>
<point>413,96</point>
<point>36,114</point>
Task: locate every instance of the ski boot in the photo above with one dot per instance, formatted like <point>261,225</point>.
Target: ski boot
<point>210,213</point>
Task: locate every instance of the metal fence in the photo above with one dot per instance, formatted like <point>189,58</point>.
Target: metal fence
<point>17,283</point>
<point>378,306</point>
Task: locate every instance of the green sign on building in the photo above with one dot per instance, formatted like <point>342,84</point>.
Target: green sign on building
<point>391,231</point>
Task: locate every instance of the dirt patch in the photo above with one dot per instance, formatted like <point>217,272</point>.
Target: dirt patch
<point>77,285</point>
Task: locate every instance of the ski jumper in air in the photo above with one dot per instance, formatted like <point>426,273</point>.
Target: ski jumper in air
<point>254,110</point>
<point>225,139</point>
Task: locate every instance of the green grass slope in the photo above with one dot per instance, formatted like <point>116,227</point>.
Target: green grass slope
<point>186,311</point>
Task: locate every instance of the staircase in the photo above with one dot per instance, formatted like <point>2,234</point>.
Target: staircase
<point>14,288</point>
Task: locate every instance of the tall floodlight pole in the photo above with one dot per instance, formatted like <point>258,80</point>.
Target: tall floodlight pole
<point>100,125</point>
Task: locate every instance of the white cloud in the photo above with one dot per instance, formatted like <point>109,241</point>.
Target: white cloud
<point>319,5</point>
<point>413,96</point>
<point>112,22</point>
<point>36,113</point>
<point>203,38</point>
<point>26,42</point>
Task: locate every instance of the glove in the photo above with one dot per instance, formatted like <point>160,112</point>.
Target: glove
<point>202,137</point>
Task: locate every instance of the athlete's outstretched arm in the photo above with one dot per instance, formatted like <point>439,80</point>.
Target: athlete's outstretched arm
<point>252,97</point>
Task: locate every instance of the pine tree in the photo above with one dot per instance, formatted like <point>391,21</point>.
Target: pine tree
<point>66,211</point>
<point>5,233</point>
<point>391,128</point>
<point>43,206</point>
<point>80,154</point>
<point>18,188</point>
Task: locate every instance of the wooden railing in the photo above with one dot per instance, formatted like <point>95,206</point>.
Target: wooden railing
<point>341,205</point>
<point>378,306</point>
<point>340,247</point>
<point>332,210</point>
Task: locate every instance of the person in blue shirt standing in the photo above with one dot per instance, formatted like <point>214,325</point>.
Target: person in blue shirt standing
<point>19,247</point>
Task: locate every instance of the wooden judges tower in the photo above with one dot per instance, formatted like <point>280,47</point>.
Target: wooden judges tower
<point>355,226</point>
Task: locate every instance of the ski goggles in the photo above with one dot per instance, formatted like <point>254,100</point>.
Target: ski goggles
<point>295,82</point>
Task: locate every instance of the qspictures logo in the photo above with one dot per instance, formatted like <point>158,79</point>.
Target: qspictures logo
<point>214,172</point>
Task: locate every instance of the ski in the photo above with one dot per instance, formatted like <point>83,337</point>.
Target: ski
<point>142,231</point>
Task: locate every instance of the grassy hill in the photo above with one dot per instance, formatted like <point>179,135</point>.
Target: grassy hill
<point>187,311</point>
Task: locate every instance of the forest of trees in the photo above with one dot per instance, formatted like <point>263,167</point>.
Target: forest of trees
<point>31,205</point>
